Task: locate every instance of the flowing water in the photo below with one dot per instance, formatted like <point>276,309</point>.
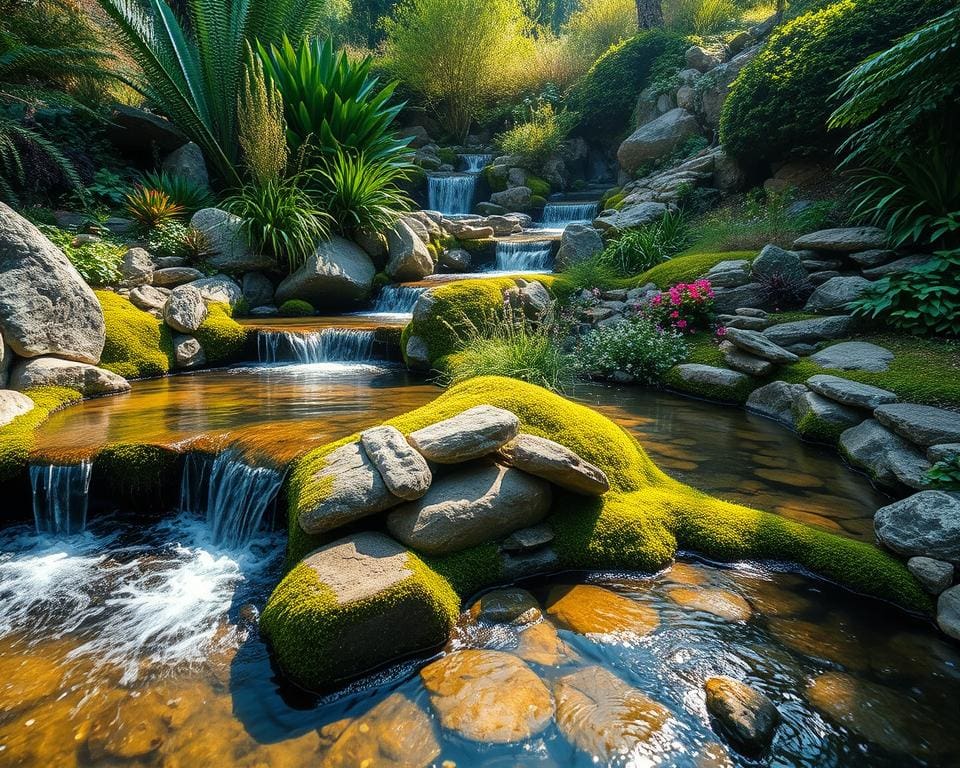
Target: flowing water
<point>451,193</point>
<point>524,256</point>
<point>330,345</point>
<point>397,300</point>
<point>60,494</point>
<point>556,216</point>
<point>476,163</point>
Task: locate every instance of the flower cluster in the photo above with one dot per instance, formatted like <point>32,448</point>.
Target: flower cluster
<point>686,307</point>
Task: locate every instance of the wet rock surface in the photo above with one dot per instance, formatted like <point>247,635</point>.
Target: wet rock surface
<point>588,609</point>
<point>746,717</point>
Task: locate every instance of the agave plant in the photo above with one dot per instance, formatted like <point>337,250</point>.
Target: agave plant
<point>151,207</point>
<point>333,102</point>
<point>186,193</point>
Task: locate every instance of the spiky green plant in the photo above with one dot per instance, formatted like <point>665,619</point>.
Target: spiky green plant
<point>360,193</point>
<point>151,207</point>
<point>186,193</point>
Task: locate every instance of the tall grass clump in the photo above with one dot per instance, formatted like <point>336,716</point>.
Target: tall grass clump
<point>638,250</point>
<point>700,17</point>
<point>536,139</point>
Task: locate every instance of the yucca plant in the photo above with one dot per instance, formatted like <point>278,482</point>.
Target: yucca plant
<point>360,193</point>
<point>151,207</point>
<point>184,192</point>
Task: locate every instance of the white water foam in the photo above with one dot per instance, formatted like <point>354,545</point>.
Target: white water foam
<point>328,345</point>
<point>524,256</point>
<point>451,193</point>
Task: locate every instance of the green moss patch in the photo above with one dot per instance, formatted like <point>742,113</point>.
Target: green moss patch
<point>688,267</point>
<point>138,344</point>
<point>16,438</point>
<point>223,339</point>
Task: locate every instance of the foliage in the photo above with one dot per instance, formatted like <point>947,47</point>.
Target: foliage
<point>605,97</point>
<point>459,54</point>
<point>296,308</point>
<point>262,130</point>
<point>151,207</point>
<point>684,307</point>
<point>190,65</point>
<point>108,187</point>
<point>98,262</point>
<point>169,238</point>
<point>639,347</point>
<point>279,218</point>
<point>597,25</point>
<point>185,193</point>
<point>945,474</point>
<point>195,245</point>
<point>637,250</point>
<point>780,103</point>
<point>138,345</point>
<point>595,272</point>
<point>700,17</point>
<point>536,139</point>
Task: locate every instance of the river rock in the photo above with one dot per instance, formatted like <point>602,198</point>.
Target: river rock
<point>220,289</point>
<point>476,432</point>
<point>605,717</point>
<point>722,603</point>
<point>926,524</point>
<point>776,263</point>
<point>821,418</point>
<point>577,243</point>
<point>149,298</point>
<point>540,643</point>
<point>888,458</point>
<point>776,400</point>
<point>456,260</point>
<point>187,161</point>
<point>746,717</point>
<point>741,361</point>
<point>404,471</point>
<point>514,199</point>
<point>229,249</point>
<point>257,290</point>
<point>589,609</point>
<point>851,393</point>
<point>934,575</point>
<point>921,424</point>
<point>836,294</point>
<point>470,506</point>
<point>185,309</point>
<point>757,344</point>
<point>853,356</point>
<point>409,258</point>
<point>843,240</point>
<point>136,268</point>
<point>657,138</point>
<point>12,405</point>
<point>488,696</point>
<point>808,332</point>
<point>188,352</point>
<point>752,294</point>
<point>337,275</point>
<point>171,277</point>
<point>729,274</point>
<point>506,606</point>
<point>556,463</point>
<point>948,612</point>
<point>630,217</point>
<point>900,265</point>
<point>528,539</point>
<point>86,379</point>
<point>722,383</point>
<point>45,306</point>
<point>873,257</point>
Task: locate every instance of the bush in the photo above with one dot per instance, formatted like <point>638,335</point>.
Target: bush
<point>685,307</point>
<point>98,263</point>
<point>597,25</point>
<point>189,196</point>
<point>638,250</point>
<point>537,139</point>
<point>595,272</point>
<point>605,97</point>
<point>150,208</point>
<point>700,17</point>
<point>638,347</point>
<point>171,238</point>
<point>780,103</point>
<point>296,308</point>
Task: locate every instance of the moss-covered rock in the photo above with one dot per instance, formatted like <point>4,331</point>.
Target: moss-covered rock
<point>296,308</point>
<point>539,187</point>
<point>639,525</point>
<point>688,267</point>
<point>138,345</point>
<point>16,438</point>
<point>137,476</point>
<point>223,339</point>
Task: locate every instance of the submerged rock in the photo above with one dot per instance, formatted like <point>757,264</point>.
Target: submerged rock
<point>556,463</point>
<point>404,471</point>
<point>588,609</point>
<point>506,606</point>
<point>469,435</point>
<point>720,602</point>
<point>746,717</point>
<point>541,644</point>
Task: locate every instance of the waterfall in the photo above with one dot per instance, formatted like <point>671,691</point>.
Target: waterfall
<point>524,255</point>
<point>331,345</point>
<point>397,299</point>
<point>452,193</point>
<point>476,163</point>
<point>559,215</point>
<point>60,496</point>
<point>232,495</point>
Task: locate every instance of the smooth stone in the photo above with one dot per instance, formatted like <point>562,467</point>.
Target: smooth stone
<point>136,268</point>
<point>149,298</point>
<point>776,400</point>
<point>603,716</point>
<point>470,506</point>
<point>409,258</point>
<point>229,248</point>
<point>135,731</point>
<point>528,539</point>
<point>759,345</point>
<point>943,452</point>
<point>469,435</point>
<point>811,412</point>
<point>185,309</point>
<point>506,606</point>
<point>925,524</point>
<point>187,161</point>
<point>729,274</point>
<point>171,277</point>
<point>630,218</point>
<point>589,609</point>
<point>556,463</point>
<point>900,265</point>
<point>872,258</point>
<point>167,262</point>
<point>456,260</point>
<point>577,243</point>
<point>921,424</point>
<point>728,299</point>
<point>356,490</point>
<point>835,294</point>
<point>337,275</point>
<point>809,331</point>
<point>188,352</point>
<point>743,321</point>
<point>843,239</point>
<point>488,696</point>
<point>12,405</point>
<point>220,289</point>
<point>850,392</point>
<point>888,458</point>
<point>747,718</point>
<point>404,471</point>
<point>934,575</point>
<point>719,602</point>
<point>708,375</point>
<point>828,641</point>
<point>744,362</point>
<point>948,612</point>
<point>86,379</point>
<point>540,644</point>
<point>657,138</point>
<point>854,356</point>
<point>751,312</point>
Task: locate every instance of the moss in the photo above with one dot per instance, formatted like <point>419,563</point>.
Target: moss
<point>296,308</point>
<point>138,344</point>
<point>223,340</point>
<point>688,267</point>
<point>481,247</point>
<point>819,430</point>
<point>719,393</point>
<point>448,156</point>
<point>539,187</point>
<point>16,438</point>
<point>704,349</point>
<point>538,201</point>
<point>138,475</point>
<point>495,180</point>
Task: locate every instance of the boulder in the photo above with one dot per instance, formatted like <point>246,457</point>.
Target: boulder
<point>900,265</point>
<point>776,263</point>
<point>514,199</point>
<point>843,240</point>
<point>872,258</point>
<point>926,524</point>
<point>86,379</point>
<point>556,463</point>
<point>933,575</point>
<point>921,424</point>
<point>591,610</point>
<point>12,405</point>
<point>757,344</point>
<point>136,268</point>
<point>776,400</point>
<point>821,418</point>
<point>836,294</point>
<point>356,490</point>
<point>744,362</point>
<point>187,352</point>
<point>409,258</point>
<point>456,260</point>
<point>805,332</point>
<point>187,161</point>
<point>171,277</point>
<point>630,217</point>
<point>853,356</point>
<point>851,393</point>
<point>657,139</point>
<point>45,306</point>
<point>729,274</point>
<point>752,295</point>
<point>470,506</point>
<point>185,309</point>
<point>712,91</point>
<point>488,696</point>
<point>948,612</point>
<point>374,243</point>
<point>888,459</point>
<point>746,717</point>
<point>337,275</point>
<point>721,382</point>
<point>506,606</point>
<point>149,298</point>
<point>417,353</point>
<point>531,300</point>
<point>257,290</point>
<point>404,471</point>
<point>230,251</point>
<point>220,289</point>
<point>697,58</point>
<point>469,435</point>
<point>577,243</point>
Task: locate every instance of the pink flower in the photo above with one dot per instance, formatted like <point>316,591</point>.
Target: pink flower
<point>656,300</point>
<point>674,298</point>
<point>674,314</point>
<point>721,331</point>
<point>681,323</point>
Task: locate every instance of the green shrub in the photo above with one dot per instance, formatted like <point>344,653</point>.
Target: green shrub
<point>183,192</point>
<point>595,272</point>
<point>535,140</point>
<point>98,263</point>
<point>174,238</point>
<point>138,345</point>
<point>637,347</point>
<point>638,250</point>
<point>700,17</point>
<point>780,103</point>
<point>296,308</point>
<point>605,97</point>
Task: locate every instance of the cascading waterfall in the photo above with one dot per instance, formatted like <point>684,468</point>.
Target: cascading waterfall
<point>397,299</point>
<point>452,193</point>
<point>559,215</point>
<point>476,163</point>
<point>331,345</point>
<point>231,494</point>
<point>60,496</point>
<point>524,255</point>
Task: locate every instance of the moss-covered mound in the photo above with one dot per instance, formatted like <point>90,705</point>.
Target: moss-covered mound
<point>16,438</point>
<point>688,267</point>
<point>639,524</point>
<point>223,339</point>
<point>138,344</point>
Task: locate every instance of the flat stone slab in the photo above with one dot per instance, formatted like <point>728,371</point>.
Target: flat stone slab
<point>888,458</point>
<point>556,463</point>
<point>850,392</point>
<point>757,344</point>
<point>921,424</point>
<point>836,293</point>
<point>88,380</point>
<point>809,331</point>
<point>943,452</point>
<point>360,566</point>
<point>776,400</point>
<point>528,539</point>
<point>854,356</point>
<point>843,239</point>
<point>474,433</point>
<point>711,376</point>
<point>926,524</point>
<point>171,277</point>
<point>744,362</point>
<point>404,471</point>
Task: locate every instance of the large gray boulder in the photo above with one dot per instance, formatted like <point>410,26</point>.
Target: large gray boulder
<point>136,268</point>
<point>657,139</point>
<point>843,240</point>
<point>836,294</point>
<point>776,400</point>
<point>926,524</point>
<point>578,243</point>
<point>45,306</point>
<point>905,264</point>
<point>853,356</point>
<point>12,405</point>
<point>776,263</point>
<point>556,463</point>
<point>6,360</point>
<point>86,379</point>
<point>887,458</point>
<point>472,505</point>
<point>187,161</point>
<point>808,332</point>
<point>409,258</point>
<point>185,309</point>
<point>751,294</point>
<point>921,424</point>
<point>630,217</point>
<point>338,275</point>
<point>476,432</point>
<point>514,199</point>
<point>230,250</point>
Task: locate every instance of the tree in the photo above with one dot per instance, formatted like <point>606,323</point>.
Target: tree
<point>650,14</point>
<point>459,54</point>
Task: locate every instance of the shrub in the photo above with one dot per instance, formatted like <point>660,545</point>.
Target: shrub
<point>604,98</point>
<point>780,103</point>
<point>296,308</point>
<point>684,307</point>
<point>185,193</point>
<point>595,272</point>
<point>98,263</point>
<point>638,347</point>
<point>537,139</point>
<point>638,250</point>
<point>150,208</point>
<point>700,17</point>
<point>169,239</point>
<point>597,25</point>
